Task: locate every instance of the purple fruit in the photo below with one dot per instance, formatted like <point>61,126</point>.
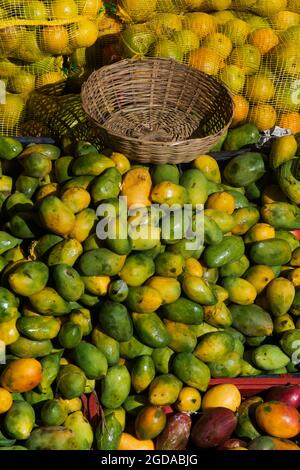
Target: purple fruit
<point>213,428</point>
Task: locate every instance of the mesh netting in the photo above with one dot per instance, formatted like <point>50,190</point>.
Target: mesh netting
<point>35,39</point>
<point>253,46</point>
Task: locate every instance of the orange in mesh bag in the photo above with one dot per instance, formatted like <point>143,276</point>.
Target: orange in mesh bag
<point>253,46</point>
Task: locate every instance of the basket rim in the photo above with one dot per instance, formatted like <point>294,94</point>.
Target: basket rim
<point>135,140</point>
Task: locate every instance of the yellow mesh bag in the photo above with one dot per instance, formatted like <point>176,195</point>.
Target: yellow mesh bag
<point>253,46</point>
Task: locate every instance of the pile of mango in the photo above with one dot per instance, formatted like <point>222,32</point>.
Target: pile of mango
<point>140,321</point>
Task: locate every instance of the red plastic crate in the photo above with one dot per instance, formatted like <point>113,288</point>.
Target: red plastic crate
<point>249,386</point>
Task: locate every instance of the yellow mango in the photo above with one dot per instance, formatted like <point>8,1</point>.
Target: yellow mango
<point>168,287</point>
<point>260,276</point>
<point>259,232</point>
<point>209,167</point>
<point>293,275</point>
<point>218,315</point>
<point>136,187</point>
<point>8,331</point>
<point>96,285</point>
<point>283,323</point>
<point>240,291</point>
<point>280,294</point>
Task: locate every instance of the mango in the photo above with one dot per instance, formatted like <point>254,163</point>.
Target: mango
<point>143,299</point>
<point>48,302</point>
<point>56,216</point>
<point>115,321</point>
<point>244,169</point>
<point>71,381</point>
<point>182,336</point>
<point>289,343</point>
<point>134,348</point>
<point>151,330</point>
<point>108,433</point>
<point>107,185</point>
<point>280,295</point>
<point>50,368</point>
<point>164,390</point>
<point>51,438</point>
<point>169,264</point>
<point>92,164</point>
<point>224,221</point>
<point>84,223</point>
<point>169,288</point>
<point>239,290</point>
<point>67,282</point>
<point>236,268</point>
<point>19,420</point>
<point>29,278</point>
<point>165,172</point>
<point>214,346</point>
<point>91,360</point>
<point>184,311</point>
<point>251,320</point>
<point>65,252</point>
<point>53,413</point>
<point>259,276</point>
<point>191,371</point>
<point>83,435</point>
<point>269,356</point>
<point>7,242</point>
<point>115,387</point>
<point>82,317</point>
<point>162,358</point>
<point>38,327</point>
<point>169,193</point>
<point>197,290</point>
<point>230,249</point>
<point>195,184</point>
<point>244,219</point>
<point>107,345</point>
<point>229,366</point>
<point>245,427</point>
<point>100,262</point>
<point>137,269</point>
<point>25,347</point>
<point>271,252</point>
<point>218,315</point>
<point>70,335</point>
<point>142,373</point>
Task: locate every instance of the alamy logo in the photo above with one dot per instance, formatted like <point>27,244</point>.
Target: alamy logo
<point>2,352</point>
<point>158,221</point>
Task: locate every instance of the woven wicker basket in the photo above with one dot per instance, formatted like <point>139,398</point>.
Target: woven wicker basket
<point>157,110</point>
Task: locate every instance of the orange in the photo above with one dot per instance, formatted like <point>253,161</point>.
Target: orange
<point>84,34</point>
<point>219,43</point>
<point>201,24</point>
<point>63,9</point>
<point>284,19</point>
<point>269,7</point>
<point>290,121</point>
<point>241,109</point>
<point>263,116</point>
<point>5,400</point>
<point>89,8</point>
<point>259,88</point>
<point>223,16</point>
<point>218,5</point>
<point>206,60</point>
<point>237,30</point>
<point>264,39</point>
<point>49,78</point>
<point>224,395</point>
<point>54,39</point>
<point>221,201</point>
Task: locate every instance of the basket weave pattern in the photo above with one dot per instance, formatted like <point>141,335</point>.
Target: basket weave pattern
<point>157,110</point>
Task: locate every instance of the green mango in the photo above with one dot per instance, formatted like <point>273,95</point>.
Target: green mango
<point>236,268</point>
<point>184,311</point>
<point>91,360</point>
<point>214,346</point>
<point>224,221</point>
<point>134,403</point>
<point>8,305</point>
<point>19,420</point>
<point>143,299</point>
<point>239,198</point>
<point>169,193</point>
<point>213,235</point>
<point>191,371</point>
<point>133,348</point>
<point>89,300</point>
<point>198,290</point>
<point>17,202</point>
<point>36,397</point>
<point>245,169</point>
<point>165,172</point>
<point>182,336</point>
<point>202,329</point>
<point>5,442</point>
<point>115,387</point>
<point>245,426</point>
<point>248,370</point>
<point>13,448</point>
<point>118,290</point>
<point>196,185</point>
<point>241,137</point>
<point>108,433</point>
<point>290,344</point>
<point>29,278</point>
<point>253,191</point>
<point>65,252</point>
<point>151,330</point>
<point>107,345</point>
<point>115,320</point>
<point>84,148</point>
<point>288,178</point>
<point>56,216</point>
<point>100,262</point>
<point>27,185</point>
<point>278,371</point>
<point>68,282</point>
<point>51,438</point>
<point>289,237</point>
<point>162,359</point>
<point>25,347</point>
<point>142,373</point>
<point>7,242</point>
<point>117,243</point>
<point>183,248</point>
<point>9,148</point>
<point>36,165</point>
<point>251,320</point>
<point>229,366</point>
<point>70,335</point>
<point>83,435</point>
<point>269,357</point>
<point>218,315</point>
<point>255,341</point>
<point>271,252</point>
<point>281,215</point>
<point>164,390</point>
<point>137,269</point>
<point>49,302</point>
<point>71,381</point>
<point>229,250</point>
<point>12,256</point>
<point>48,150</point>
<point>169,264</point>
<point>92,164</point>
<point>53,413</point>
<point>24,225</point>
<point>50,368</point>
<point>38,327</point>
<point>271,443</point>
<point>107,185</point>
<point>63,169</point>
<point>82,318</point>
<point>218,146</point>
